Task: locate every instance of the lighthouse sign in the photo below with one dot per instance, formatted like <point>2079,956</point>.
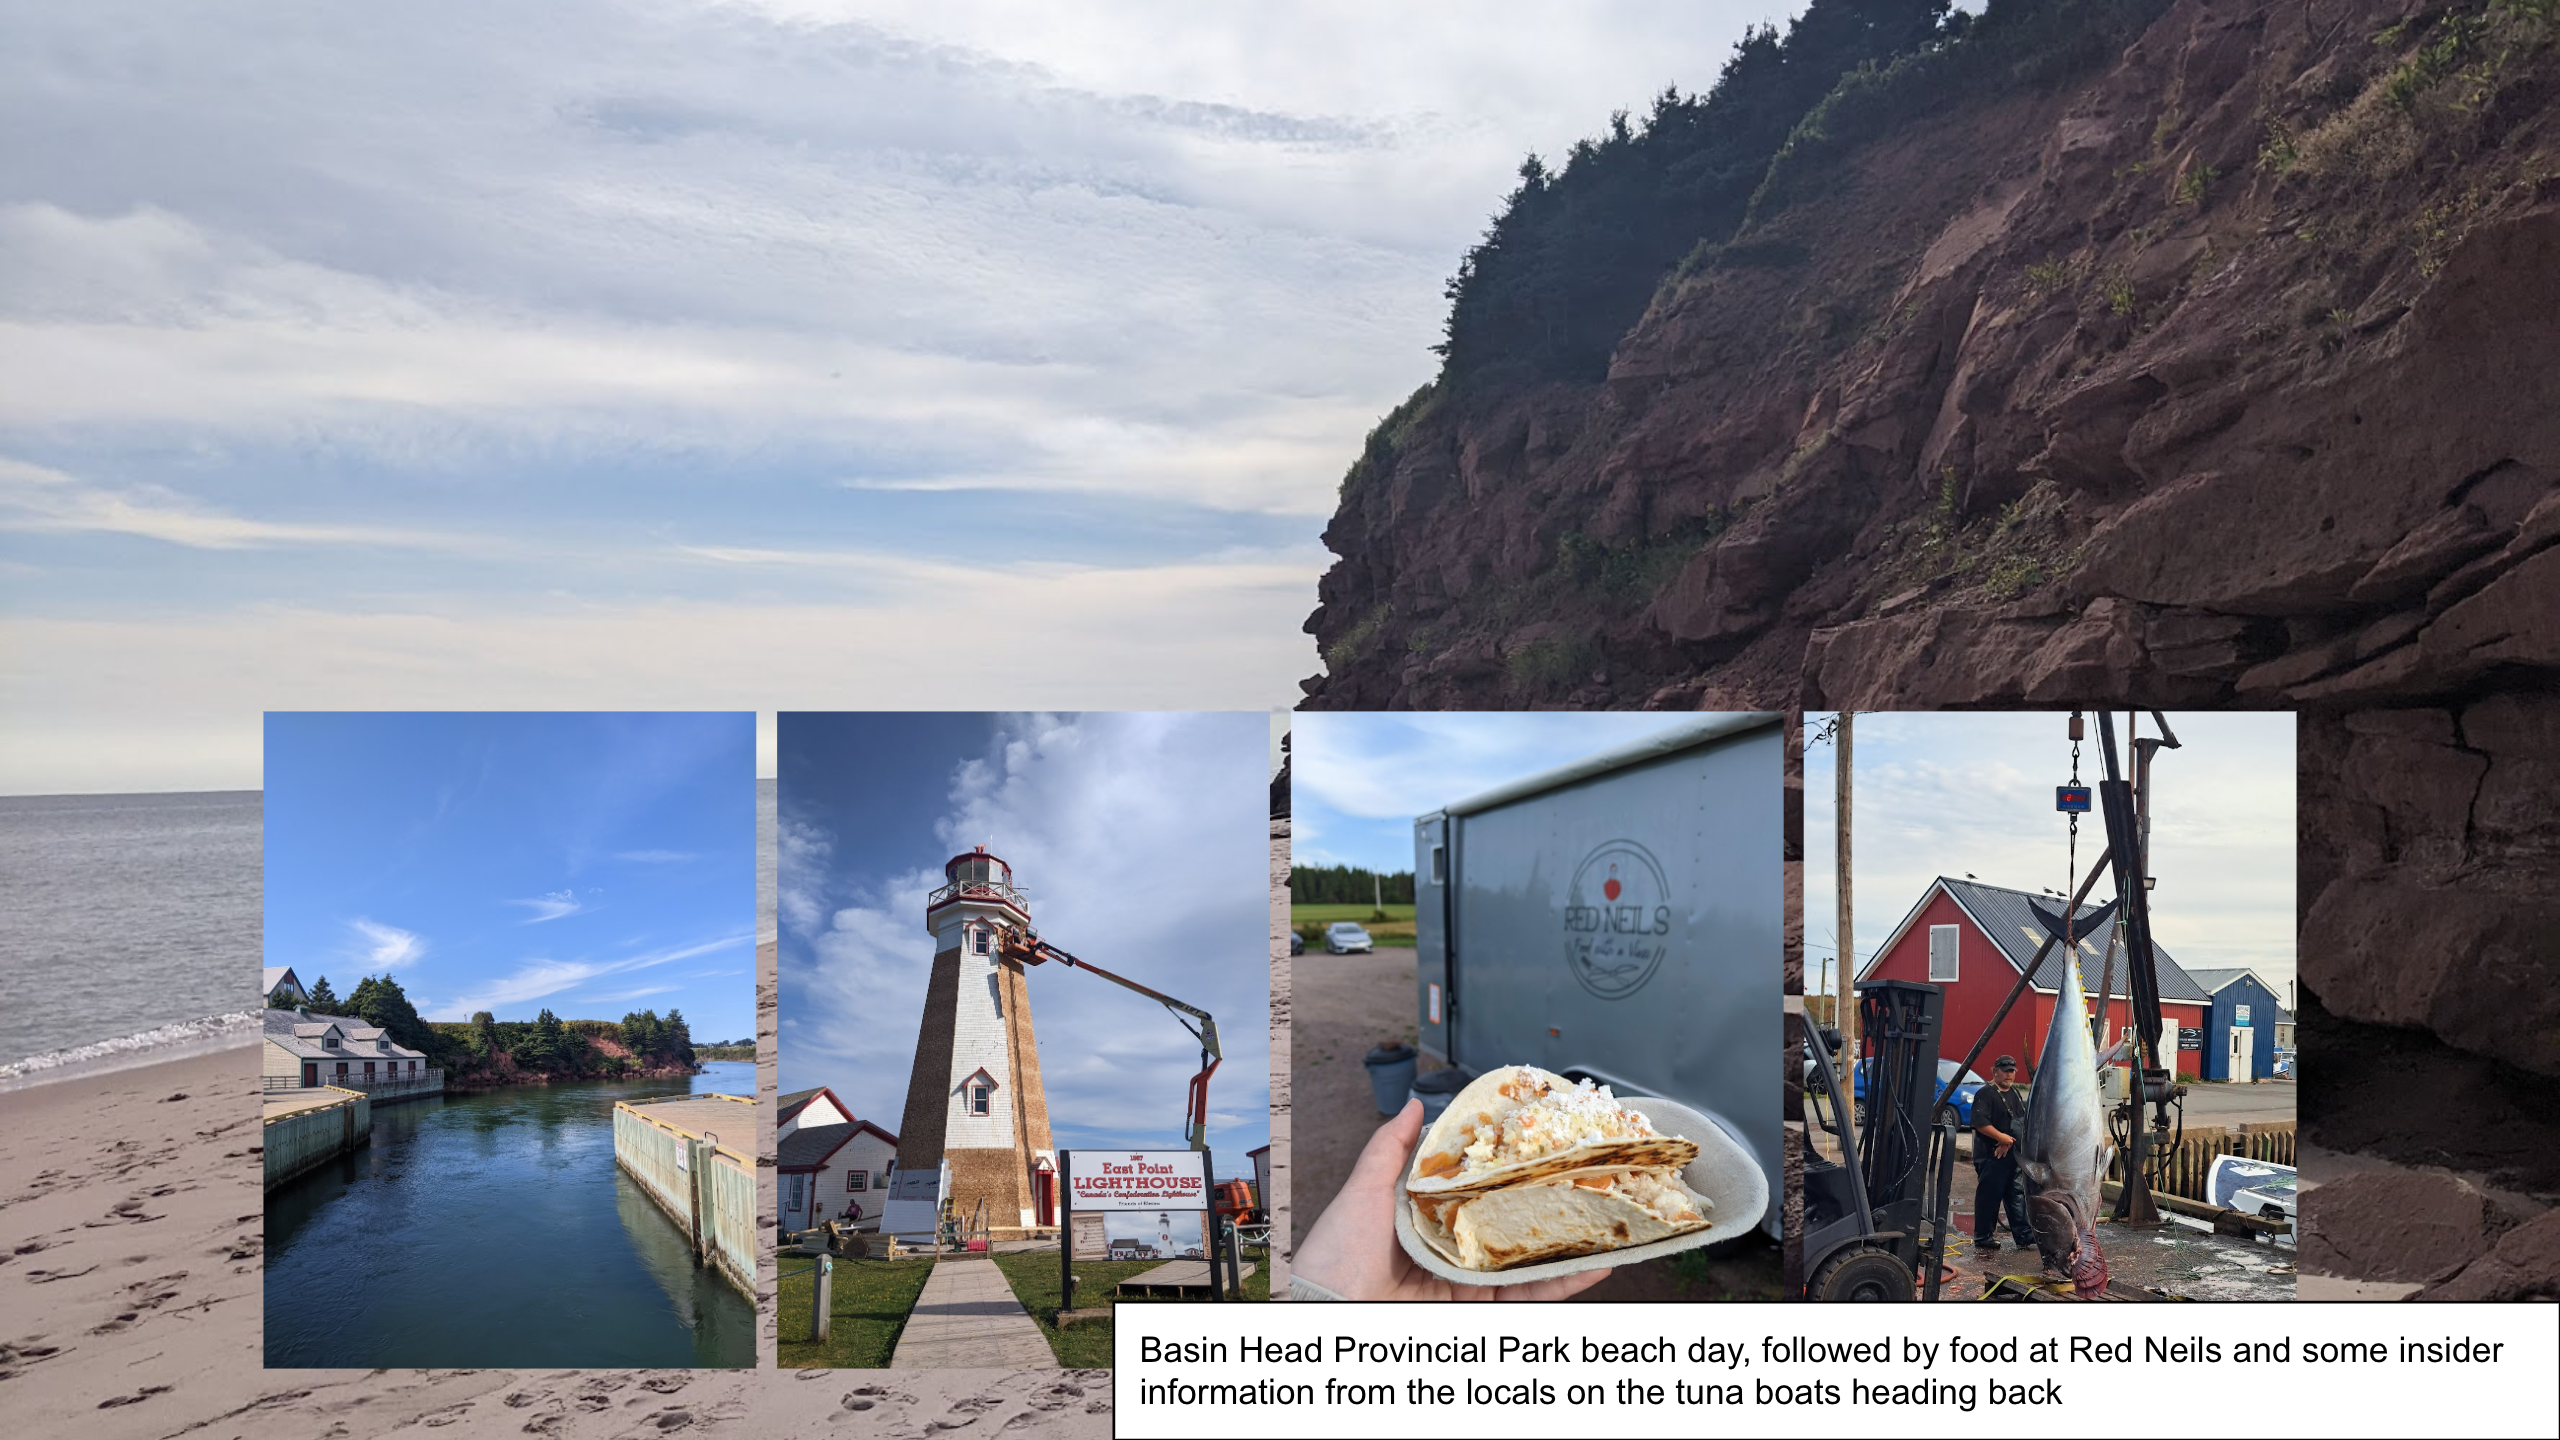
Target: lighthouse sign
<point>1138,1179</point>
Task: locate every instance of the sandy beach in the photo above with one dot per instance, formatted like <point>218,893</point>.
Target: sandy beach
<point>130,1262</point>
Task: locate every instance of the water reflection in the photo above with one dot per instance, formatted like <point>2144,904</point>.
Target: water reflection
<point>494,1229</point>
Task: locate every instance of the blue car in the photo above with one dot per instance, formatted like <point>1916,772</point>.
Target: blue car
<point>1961,1101</point>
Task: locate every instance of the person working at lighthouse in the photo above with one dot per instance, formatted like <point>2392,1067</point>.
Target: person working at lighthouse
<point>1998,1115</point>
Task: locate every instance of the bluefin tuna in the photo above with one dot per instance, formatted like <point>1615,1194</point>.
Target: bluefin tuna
<point>2064,1150</point>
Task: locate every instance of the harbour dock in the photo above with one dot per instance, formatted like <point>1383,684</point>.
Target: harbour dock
<point>690,1154</point>
<point>308,1127</point>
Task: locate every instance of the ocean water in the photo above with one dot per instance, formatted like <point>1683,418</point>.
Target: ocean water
<point>122,915</point>
<point>494,1228</point>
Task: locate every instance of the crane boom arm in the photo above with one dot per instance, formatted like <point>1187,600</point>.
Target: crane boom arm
<point>1033,950</point>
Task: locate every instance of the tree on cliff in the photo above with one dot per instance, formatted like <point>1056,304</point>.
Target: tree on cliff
<point>678,1037</point>
<point>323,1001</point>
<point>1575,253</point>
<point>380,1001</point>
<point>640,1032</point>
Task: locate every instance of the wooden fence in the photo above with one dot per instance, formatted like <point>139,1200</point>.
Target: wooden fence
<point>709,1189</point>
<point>2183,1173</point>
<point>306,1139</point>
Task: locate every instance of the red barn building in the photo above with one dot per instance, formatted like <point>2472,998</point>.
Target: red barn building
<point>1973,940</point>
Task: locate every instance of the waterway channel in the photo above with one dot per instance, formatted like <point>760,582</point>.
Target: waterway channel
<point>493,1229</point>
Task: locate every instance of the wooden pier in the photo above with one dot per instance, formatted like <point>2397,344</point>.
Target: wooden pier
<point>694,1155</point>
<point>306,1129</point>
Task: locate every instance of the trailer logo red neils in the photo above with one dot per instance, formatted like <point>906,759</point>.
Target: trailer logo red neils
<point>1617,920</point>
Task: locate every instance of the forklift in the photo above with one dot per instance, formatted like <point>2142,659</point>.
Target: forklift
<point>1875,1221</point>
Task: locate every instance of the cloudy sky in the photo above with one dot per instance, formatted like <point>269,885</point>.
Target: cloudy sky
<point>1358,779</point>
<point>1143,844</point>
<point>636,355</point>
<point>591,865</point>
<point>1953,794</point>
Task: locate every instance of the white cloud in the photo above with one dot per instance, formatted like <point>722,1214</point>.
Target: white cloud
<point>172,701</point>
<point>536,979</point>
<point>553,906</point>
<point>37,499</point>
<point>806,847</point>
<point>385,946</point>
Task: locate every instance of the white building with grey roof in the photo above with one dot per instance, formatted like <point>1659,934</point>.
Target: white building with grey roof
<point>304,1050</point>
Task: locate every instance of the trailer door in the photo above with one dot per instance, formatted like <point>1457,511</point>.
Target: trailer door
<point>1431,950</point>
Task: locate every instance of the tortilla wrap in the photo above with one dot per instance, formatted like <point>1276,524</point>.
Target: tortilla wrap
<point>1579,1212</point>
<point>1501,1131</point>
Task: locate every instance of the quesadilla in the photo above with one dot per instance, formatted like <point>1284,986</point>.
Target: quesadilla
<point>1526,1166</point>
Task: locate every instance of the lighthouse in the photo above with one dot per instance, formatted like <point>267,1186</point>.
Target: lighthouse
<point>975,1110</point>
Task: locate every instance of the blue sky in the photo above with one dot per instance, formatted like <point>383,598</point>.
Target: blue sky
<point>588,864</point>
<point>680,353</point>
<point>1144,844</point>
<point>1952,794</point>
<point>1357,780</point>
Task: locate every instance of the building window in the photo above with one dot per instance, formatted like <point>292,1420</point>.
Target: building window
<point>977,1099</point>
<point>857,1179</point>
<point>1942,953</point>
<point>331,1041</point>
<point>794,1202</point>
<point>368,1069</point>
<point>342,1069</point>
<point>978,939</point>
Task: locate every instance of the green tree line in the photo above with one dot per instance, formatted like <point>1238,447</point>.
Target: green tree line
<point>545,1044</point>
<point>1347,885</point>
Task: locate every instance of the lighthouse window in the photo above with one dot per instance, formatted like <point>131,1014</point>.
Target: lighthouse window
<point>978,940</point>
<point>977,1099</point>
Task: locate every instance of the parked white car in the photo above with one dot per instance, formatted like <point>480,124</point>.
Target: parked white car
<point>1342,937</point>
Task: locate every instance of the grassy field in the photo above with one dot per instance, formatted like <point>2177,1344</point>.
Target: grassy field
<point>872,1298</point>
<point>1326,914</point>
<point>1087,1345</point>
<point>1310,920</point>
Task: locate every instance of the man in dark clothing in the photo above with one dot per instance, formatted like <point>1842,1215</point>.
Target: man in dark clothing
<point>1999,1113</point>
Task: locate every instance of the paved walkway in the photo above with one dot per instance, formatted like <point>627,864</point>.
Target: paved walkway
<point>968,1319</point>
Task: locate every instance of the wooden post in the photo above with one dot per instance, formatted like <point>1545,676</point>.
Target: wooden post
<point>822,1304</point>
<point>694,1157</point>
<point>1066,1236</point>
<point>1209,1223</point>
<point>1845,1006</point>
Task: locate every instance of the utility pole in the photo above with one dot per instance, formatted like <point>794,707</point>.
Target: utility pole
<point>1845,1005</point>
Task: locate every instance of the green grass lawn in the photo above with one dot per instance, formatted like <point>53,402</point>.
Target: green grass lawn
<point>1087,1345</point>
<point>1327,914</point>
<point>1310,920</point>
<point>872,1298</point>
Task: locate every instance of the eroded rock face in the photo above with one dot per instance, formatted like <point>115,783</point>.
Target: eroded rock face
<point>2221,376</point>
<point>2397,1225</point>
<point>2524,1266</point>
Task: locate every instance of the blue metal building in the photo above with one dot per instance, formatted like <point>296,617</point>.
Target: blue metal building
<point>2245,1004</point>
